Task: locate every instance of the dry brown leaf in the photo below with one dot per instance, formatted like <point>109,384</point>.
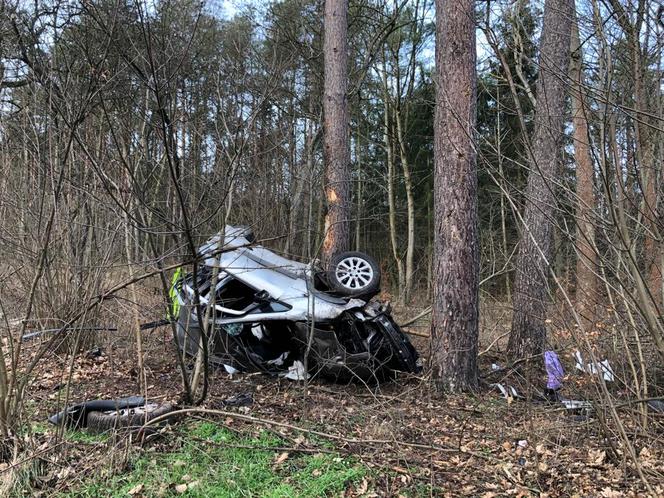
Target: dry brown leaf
<point>610,493</point>
<point>596,457</point>
<point>362,488</point>
<point>281,458</point>
<point>135,490</point>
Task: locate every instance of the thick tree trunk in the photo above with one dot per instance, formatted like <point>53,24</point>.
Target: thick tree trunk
<point>586,262</point>
<point>528,332</point>
<point>454,328</point>
<point>335,131</point>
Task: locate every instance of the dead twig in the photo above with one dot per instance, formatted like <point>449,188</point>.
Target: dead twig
<point>418,334</point>
<point>493,343</point>
<point>416,318</point>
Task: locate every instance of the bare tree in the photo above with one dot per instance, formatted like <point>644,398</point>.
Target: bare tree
<point>335,129</point>
<point>632,19</point>
<point>454,328</point>
<point>528,331</point>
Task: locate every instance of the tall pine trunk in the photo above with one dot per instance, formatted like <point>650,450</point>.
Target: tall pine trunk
<point>528,333</point>
<point>335,132</point>
<point>586,262</point>
<point>454,328</point>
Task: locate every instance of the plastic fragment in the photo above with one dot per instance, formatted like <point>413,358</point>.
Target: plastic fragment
<point>296,371</point>
<point>554,370</point>
<point>603,367</point>
<point>572,404</point>
<point>231,370</point>
<point>507,392</point>
<point>257,331</point>
<point>279,360</point>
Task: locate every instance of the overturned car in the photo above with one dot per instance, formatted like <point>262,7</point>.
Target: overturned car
<point>263,312</point>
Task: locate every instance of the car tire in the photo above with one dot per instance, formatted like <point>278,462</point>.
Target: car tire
<point>133,418</point>
<point>354,274</point>
<point>246,232</point>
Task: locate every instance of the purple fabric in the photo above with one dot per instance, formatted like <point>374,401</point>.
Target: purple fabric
<point>554,370</point>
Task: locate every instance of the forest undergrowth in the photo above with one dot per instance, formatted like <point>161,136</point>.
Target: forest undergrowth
<point>331,439</point>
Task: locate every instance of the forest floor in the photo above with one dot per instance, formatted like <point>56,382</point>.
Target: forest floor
<point>324,439</point>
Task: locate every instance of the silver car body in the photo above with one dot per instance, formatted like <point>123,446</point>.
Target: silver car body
<point>286,281</point>
<point>269,316</point>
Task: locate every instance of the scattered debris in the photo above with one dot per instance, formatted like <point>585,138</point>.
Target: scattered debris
<point>230,370</point>
<point>128,418</point>
<point>66,328</point>
<point>296,371</point>
<point>104,414</point>
<point>572,404</point>
<point>508,392</point>
<point>602,367</point>
<point>243,399</point>
<point>95,352</point>
<point>554,371</point>
<point>76,416</point>
<point>406,415</point>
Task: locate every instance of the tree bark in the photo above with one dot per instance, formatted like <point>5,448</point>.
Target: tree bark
<point>454,328</point>
<point>586,262</point>
<point>391,204</point>
<point>528,332</point>
<point>335,129</point>
<point>410,205</point>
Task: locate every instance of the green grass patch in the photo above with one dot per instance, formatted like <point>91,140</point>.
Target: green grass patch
<point>215,462</point>
<point>40,428</point>
<point>76,436</point>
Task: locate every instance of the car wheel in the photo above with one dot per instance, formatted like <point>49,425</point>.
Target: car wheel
<point>244,231</point>
<point>354,274</point>
<point>98,422</point>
